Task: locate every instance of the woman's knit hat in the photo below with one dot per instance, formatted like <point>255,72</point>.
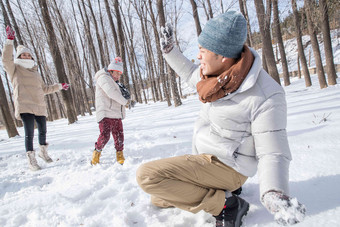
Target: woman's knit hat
<point>116,65</point>
<point>225,34</point>
<point>22,49</point>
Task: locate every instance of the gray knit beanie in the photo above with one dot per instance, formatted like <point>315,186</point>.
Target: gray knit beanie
<point>116,65</point>
<point>225,34</point>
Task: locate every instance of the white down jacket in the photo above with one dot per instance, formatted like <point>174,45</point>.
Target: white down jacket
<point>109,100</point>
<point>246,130</point>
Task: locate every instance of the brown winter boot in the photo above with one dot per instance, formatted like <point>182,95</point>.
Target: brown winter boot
<point>120,157</point>
<point>95,157</point>
<point>32,162</point>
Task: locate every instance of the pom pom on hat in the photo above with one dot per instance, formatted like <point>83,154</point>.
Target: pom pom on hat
<point>116,65</point>
<point>225,34</point>
<point>22,49</point>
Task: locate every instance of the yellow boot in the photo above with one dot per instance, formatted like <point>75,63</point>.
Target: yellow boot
<point>120,157</point>
<point>95,157</point>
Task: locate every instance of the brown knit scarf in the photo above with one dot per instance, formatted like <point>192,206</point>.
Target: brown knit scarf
<point>211,88</point>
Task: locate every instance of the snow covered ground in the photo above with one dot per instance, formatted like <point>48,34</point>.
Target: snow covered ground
<point>71,192</point>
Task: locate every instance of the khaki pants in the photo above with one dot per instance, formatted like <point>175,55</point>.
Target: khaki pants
<point>189,182</point>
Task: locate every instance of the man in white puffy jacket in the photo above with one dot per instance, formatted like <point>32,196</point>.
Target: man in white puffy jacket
<point>111,98</point>
<point>241,130</point>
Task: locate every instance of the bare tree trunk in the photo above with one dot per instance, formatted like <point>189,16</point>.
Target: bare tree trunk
<point>106,47</point>
<point>148,55</point>
<point>141,82</point>
<point>244,11</point>
<point>90,84</point>
<point>71,60</point>
<point>58,62</point>
<point>174,87</point>
<point>87,26</point>
<point>122,44</point>
<point>5,113</point>
<point>54,111</point>
<point>130,32</point>
<point>315,44</point>
<point>176,17</point>
<point>159,55</point>
<point>264,61</point>
<point>17,122</point>
<point>264,22</point>
<point>40,62</point>
<point>299,67</point>
<point>280,43</point>
<point>99,39</point>
<point>113,29</point>
<point>210,9</point>
<point>301,53</point>
<point>49,112</point>
<point>15,25</point>
<point>6,20</point>
<point>171,73</point>
<point>205,9</point>
<point>196,17</point>
<point>222,8</point>
<point>161,14</point>
<point>327,42</point>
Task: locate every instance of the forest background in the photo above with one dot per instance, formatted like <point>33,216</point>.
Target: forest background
<point>71,40</point>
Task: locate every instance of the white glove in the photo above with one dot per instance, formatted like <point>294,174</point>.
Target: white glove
<point>286,210</point>
<point>167,39</point>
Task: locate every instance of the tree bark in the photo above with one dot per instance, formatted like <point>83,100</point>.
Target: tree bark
<point>87,27</point>
<point>7,21</point>
<point>280,43</point>
<point>267,48</point>
<point>244,11</point>
<point>113,29</point>
<point>121,41</point>
<point>196,17</point>
<point>17,122</point>
<point>58,62</point>
<point>90,84</point>
<point>5,113</point>
<point>301,53</point>
<point>15,25</point>
<point>327,42</point>
<point>161,62</point>
<point>99,39</point>
<point>210,9</point>
<point>166,91</point>
<point>151,66</point>
<point>172,75</point>
<point>315,44</point>
<point>106,47</point>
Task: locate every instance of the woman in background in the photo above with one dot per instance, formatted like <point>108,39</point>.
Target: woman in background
<point>28,92</point>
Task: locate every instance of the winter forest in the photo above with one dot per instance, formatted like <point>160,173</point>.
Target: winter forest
<point>71,40</point>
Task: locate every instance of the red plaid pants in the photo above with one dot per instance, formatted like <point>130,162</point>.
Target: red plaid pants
<point>107,126</point>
